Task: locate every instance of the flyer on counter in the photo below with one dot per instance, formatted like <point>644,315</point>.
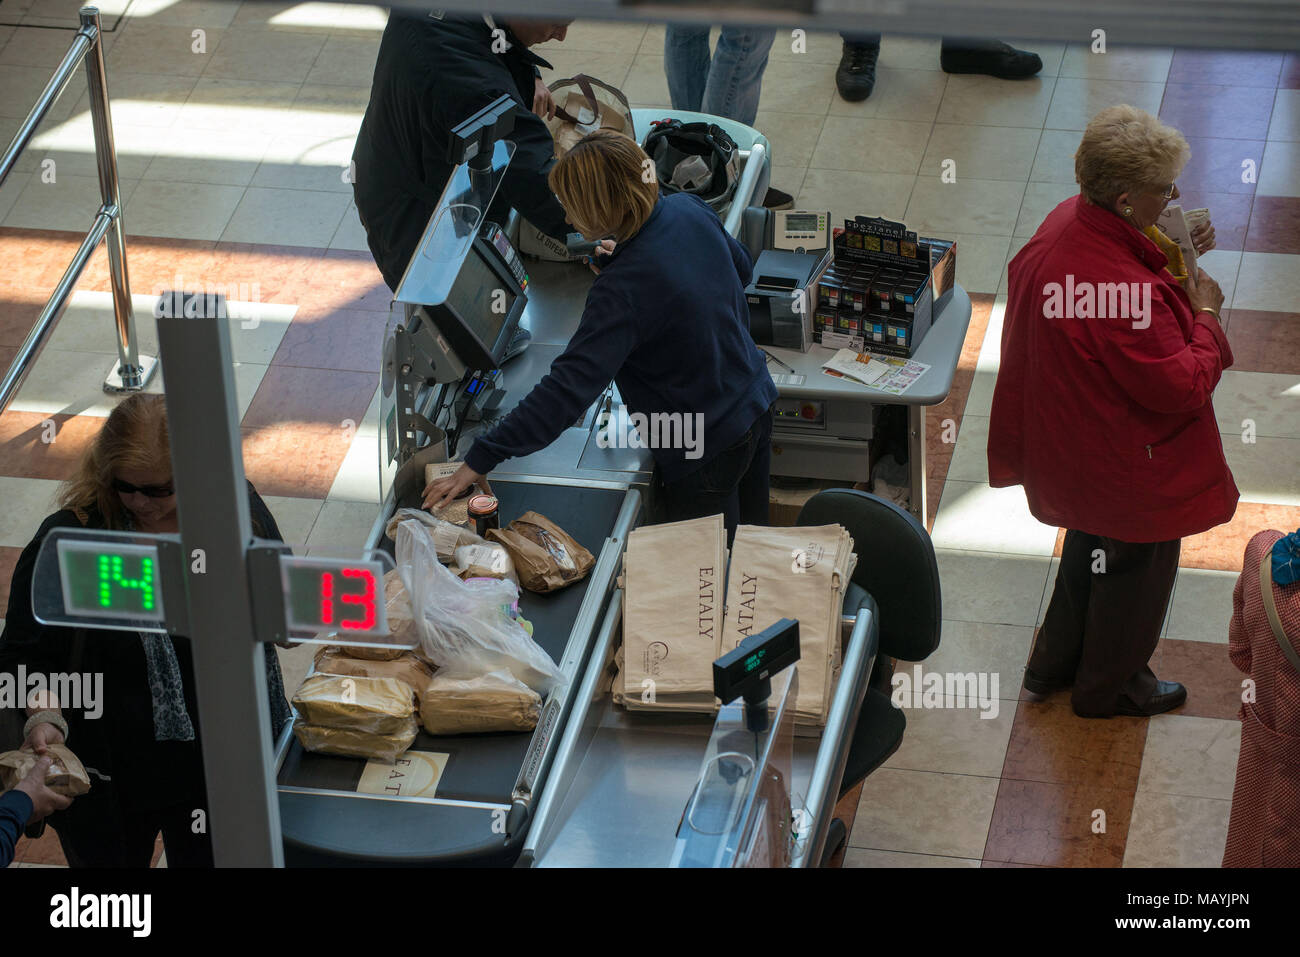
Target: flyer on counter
<point>893,375</point>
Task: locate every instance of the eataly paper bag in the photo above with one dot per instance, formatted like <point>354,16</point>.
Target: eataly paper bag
<point>65,775</point>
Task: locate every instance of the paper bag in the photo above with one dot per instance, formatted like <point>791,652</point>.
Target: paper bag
<point>65,776</point>
<point>546,557</point>
<point>373,705</point>
<point>584,105</point>
<point>407,668</point>
<point>494,702</point>
<point>357,744</point>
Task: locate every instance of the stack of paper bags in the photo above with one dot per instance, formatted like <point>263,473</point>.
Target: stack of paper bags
<point>797,573</point>
<point>672,615</point>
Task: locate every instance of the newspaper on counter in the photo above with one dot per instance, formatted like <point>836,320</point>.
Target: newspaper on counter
<point>892,375</point>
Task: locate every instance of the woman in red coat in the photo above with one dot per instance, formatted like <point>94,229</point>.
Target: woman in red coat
<point>1102,412</point>
<point>1264,829</point>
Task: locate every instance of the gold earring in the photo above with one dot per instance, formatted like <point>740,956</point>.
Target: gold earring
<point>1128,210</point>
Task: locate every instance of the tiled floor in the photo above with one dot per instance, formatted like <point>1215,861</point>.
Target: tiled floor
<point>233,146</point>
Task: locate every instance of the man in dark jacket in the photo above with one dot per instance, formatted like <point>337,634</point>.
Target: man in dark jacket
<point>433,72</point>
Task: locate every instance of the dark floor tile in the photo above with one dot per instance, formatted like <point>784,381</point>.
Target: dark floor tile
<point>29,448</point>
<point>1057,825</point>
<point>1274,226</point>
<point>1264,341</point>
<point>1050,744</point>
<point>1229,213</point>
<point>292,397</point>
<point>301,463</point>
<point>1228,112</point>
<point>1216,165</point>
<point>1213,682</point>
<point>1234,67</point>
<point>351,340</point>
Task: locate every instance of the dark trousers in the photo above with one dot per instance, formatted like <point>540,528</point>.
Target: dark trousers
<point>1102,626</point>
<point>949,44</point>
<point>104,833</point>
<point>733,482</point>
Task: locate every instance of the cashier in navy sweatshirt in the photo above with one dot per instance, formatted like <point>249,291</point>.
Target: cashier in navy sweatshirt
<point>29,801</point>
<point>666,319</point>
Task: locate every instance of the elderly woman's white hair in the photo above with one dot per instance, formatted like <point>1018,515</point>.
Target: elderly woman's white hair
<point>1125,149</point>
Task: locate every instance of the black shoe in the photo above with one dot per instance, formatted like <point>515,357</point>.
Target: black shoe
<point>775,199</point>
<point>996,59</point>
<point>1036,684</point>
<point>836,835</point>
<point>856,76</point>
<point>1168,695</point>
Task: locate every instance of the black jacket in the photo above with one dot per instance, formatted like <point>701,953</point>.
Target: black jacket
<point>431,75</point>
<point>120,742</point>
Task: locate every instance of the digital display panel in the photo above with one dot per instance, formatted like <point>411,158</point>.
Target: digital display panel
<point>801,223</point>
<point>325,595</point>
<point>108,580</point>
<point>481,299</point>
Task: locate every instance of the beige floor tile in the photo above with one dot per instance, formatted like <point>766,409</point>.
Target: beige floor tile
<point>966,206</point>
<point>971,740</point>
<point>871,145</point>
<point>1264,469</point>
<point>987,101</point>
<point>349,61</point>
<point>350,234</point>
<point>1191,757</point>
<point>861,857</point>
<point>44,48</point>
<point>796,86</point>
<point>848,194</point>
<point>70,202</point>
<point>247,376</point>
<point>1076,100</point>
<point>970,462</point>
<point>342,527</point>
<point>646,84</point>
<point>792,135</point>
<point>1266,281</point>
<point>924,812</point>
<point>1041,199</point>
<point>71,382</point>
<point>974,517</point>
<point>295,517</point>
<point>198,13</point>
<point>1054,161</point>
<point>1202,605</point>
<point>234,104</point>
<point>610,66</point>
<point>71,146</point>
<point>597,36</point>
<point>23,85</point>
<point>1270,400</point>
<point>1148,64</point>
<point>144,99</point>
<point>1279,172</point>
<point>1169,830</point>
<point>1285,124</point>
<point>27,503</point>
<point>295,217</point>
<point>994,588</point>
<point>185,158</point>
<point>1225,266</point>
<point>327,110</point>
<point>312,18</point>
<point>899,94</point>
<point>181,210</point>
<point>979,260</point>
<point>966,646</point>
<point>1048,589</point>
<point>909,53</point>
<point>788,178</point>
<point>170,49</point>
<point>979,401</point>
<point>358,477</point>
<point>980,152</point>
<point>307,161</point>
<point>250,53</point>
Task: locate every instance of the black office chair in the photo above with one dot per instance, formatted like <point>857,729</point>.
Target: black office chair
<point>897,569</point>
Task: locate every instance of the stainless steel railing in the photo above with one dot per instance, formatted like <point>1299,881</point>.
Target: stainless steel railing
<point>133,371</point>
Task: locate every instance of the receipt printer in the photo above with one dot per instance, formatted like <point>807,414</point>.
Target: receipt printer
<point>780,302</point>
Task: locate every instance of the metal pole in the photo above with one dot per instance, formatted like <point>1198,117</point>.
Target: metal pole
<point>53,90</point>
<point>133,371</point>
<point>13,379</point>
<point>229,663</point>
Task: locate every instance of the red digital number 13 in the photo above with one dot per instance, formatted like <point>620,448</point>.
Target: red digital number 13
<point>366,600</point>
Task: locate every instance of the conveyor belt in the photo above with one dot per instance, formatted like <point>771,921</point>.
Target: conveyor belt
<point>482,767</point>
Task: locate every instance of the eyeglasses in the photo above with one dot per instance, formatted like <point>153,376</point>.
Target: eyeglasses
<point>1168,192</point>
<point>153,491</point>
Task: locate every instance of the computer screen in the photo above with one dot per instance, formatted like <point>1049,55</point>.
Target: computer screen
<point>480,299</point>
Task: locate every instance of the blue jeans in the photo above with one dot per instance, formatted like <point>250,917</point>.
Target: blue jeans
<point>726,84</point>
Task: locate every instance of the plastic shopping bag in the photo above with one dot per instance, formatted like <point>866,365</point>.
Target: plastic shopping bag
<point>468,628</point>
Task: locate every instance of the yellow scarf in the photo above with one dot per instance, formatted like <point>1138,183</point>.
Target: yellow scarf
<point>1177,267</point>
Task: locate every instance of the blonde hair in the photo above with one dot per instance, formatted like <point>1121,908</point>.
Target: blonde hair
<point>602,185</point>
<point>1126,149</point>
<point>134,436</point>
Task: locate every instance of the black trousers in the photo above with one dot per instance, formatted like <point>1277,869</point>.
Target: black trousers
<point>109,832</point>
<point>1103,622</point>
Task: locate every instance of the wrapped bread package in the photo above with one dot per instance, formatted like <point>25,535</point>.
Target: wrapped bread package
<point>488,560</point>
<point>65,776</point>
<point>355,703</point>
<point>493,702</point>
<point>546,557</point>
<point>406,667</point>
<point>447,537</point>
<point>357,744</point>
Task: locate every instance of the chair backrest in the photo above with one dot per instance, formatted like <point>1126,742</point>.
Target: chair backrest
<point>896,566</point>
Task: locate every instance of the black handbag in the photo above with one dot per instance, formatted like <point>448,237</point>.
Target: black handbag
<point>670,143</point>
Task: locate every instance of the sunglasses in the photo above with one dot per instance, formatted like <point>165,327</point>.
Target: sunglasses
<point>153,491</point>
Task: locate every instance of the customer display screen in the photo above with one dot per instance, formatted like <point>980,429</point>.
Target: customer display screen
<point>480,299</point>
<point>110,580</point>
<point>801,223</point>
<point>341,596</point>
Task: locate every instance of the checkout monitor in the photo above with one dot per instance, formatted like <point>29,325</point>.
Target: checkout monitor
<point>480,312</point>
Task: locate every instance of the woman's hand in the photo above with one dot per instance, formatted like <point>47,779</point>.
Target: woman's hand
<point>445,490</point>
<point>603,248</point>
<point>543,102</point>
<point>1204,292</point>
<point>41,737</point>
<point>1203,238</point>
<point>44,801</point>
